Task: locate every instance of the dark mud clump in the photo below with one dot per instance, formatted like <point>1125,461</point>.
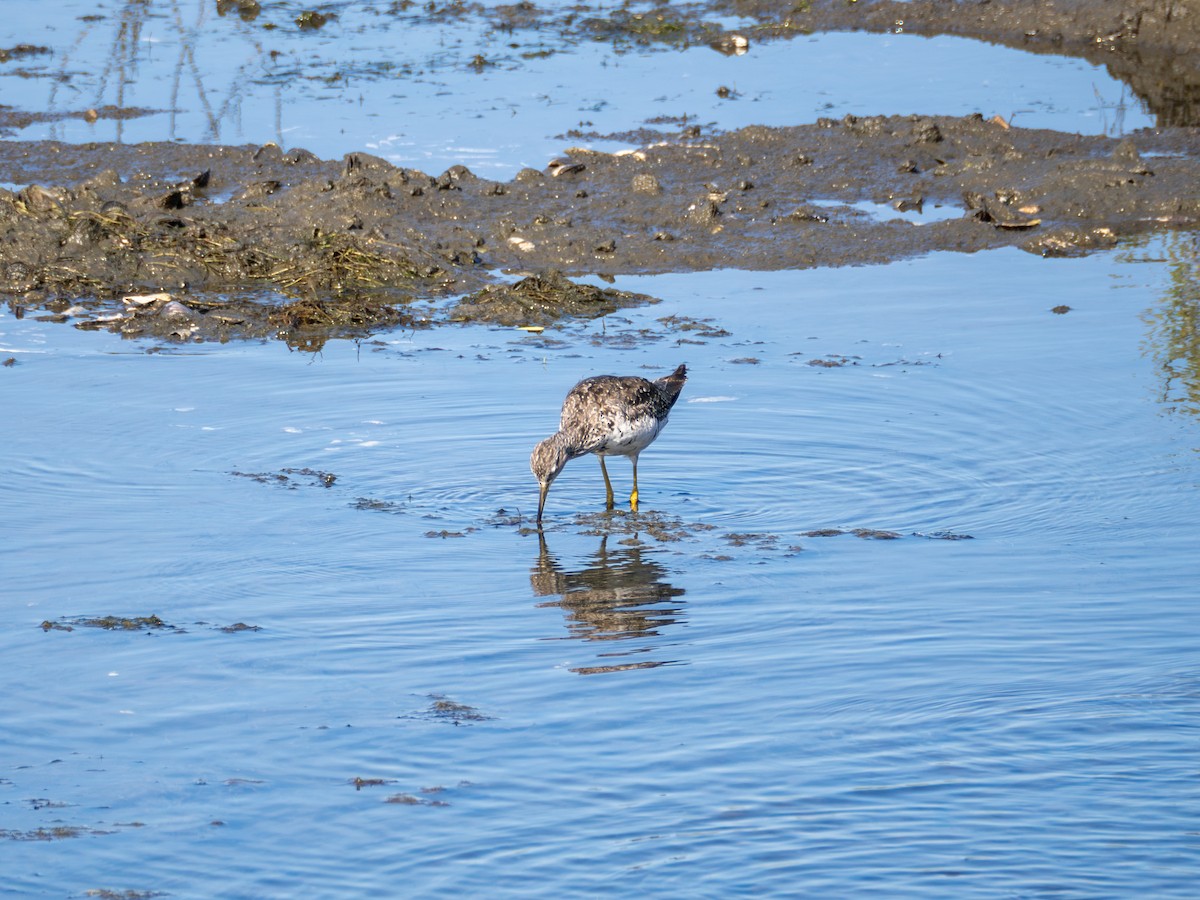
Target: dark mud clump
<point>541,300</point>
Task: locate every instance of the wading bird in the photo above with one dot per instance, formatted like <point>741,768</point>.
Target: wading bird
<point>609,415</point>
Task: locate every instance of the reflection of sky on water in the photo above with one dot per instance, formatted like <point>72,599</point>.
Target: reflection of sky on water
<point>405,87</point>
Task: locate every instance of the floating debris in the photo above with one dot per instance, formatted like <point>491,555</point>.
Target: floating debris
<point>111,623</point>
<point>40,803</point>
<point>875,534</point>
<point>57,833</point>
<point>133,623</point>
<point>410,800</point>
<point>360,783</point>
<point>445,710</point>
<point>944,535</point>
<point>700,327</point>
<point>404,799</point>
<point>389,506</point>
<point>870,534</point>
<point>760,540</point>
<point>238,627</point>
<point>288,477</point>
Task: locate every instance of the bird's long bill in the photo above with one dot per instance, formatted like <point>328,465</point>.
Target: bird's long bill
<point>545,489</point>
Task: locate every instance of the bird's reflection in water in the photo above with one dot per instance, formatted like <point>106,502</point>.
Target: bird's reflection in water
<point>620,595</point>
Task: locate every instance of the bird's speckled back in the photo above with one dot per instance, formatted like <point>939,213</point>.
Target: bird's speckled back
<point>618,413</point>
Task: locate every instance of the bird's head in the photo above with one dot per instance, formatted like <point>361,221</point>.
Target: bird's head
<point>546,461</point>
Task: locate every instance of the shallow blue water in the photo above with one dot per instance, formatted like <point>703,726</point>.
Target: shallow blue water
<point>706,700</point>
<point>743,710</point>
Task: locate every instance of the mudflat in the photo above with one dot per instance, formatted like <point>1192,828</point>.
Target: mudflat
<point>199,235</point>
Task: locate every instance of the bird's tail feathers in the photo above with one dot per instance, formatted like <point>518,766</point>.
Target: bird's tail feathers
<point>673,383</point>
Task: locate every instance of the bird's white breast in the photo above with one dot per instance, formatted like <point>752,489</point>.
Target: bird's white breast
<point>631,436</point>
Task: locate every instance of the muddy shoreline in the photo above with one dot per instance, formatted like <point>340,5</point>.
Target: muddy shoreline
<point>207,238</point>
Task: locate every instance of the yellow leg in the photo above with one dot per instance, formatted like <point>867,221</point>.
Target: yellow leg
<point>608,494</point>
<point>634,496</point>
